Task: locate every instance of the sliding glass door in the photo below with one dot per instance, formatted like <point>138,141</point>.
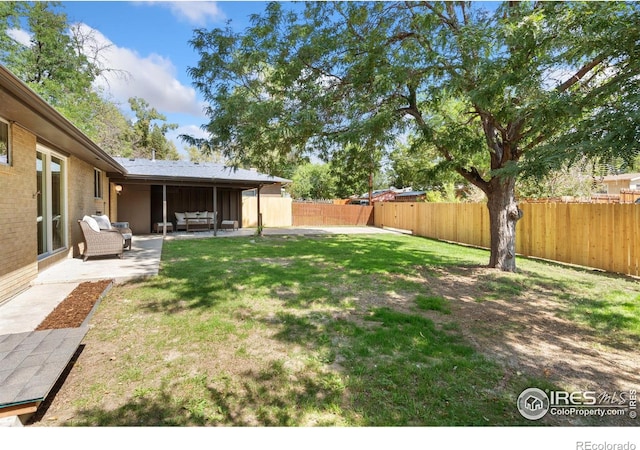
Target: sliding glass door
<point>51,220</point>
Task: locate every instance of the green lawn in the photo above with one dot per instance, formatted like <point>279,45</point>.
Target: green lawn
<point>324,330</point>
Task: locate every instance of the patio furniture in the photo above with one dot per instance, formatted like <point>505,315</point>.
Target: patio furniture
<point>159,227</point>
<point>123,227</point>
<point>197,220</point>
<point>229,225</point>
<point>100,242</point>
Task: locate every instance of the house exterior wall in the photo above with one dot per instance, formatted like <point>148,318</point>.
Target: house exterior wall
<point>385,197</point>
<point>19,264</point>
<point>18,210</point>
<point>81,200</point>
<point>134,206</point>
<point>613,187</point>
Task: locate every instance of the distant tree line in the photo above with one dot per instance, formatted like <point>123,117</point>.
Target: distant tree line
<point>61,62</point>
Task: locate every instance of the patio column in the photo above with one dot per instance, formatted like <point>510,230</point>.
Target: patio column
<point>215,210</point>
<point>164,210</point>
<point>259,215</point>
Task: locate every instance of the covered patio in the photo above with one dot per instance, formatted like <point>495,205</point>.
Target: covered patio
<point>153,191</point>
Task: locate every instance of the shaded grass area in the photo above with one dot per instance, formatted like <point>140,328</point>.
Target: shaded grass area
<point>300,331</point>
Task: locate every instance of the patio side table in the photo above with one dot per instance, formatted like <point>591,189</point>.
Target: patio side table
<point>157,228</point>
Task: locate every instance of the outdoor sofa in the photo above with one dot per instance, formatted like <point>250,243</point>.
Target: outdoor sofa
<point>195,220</point>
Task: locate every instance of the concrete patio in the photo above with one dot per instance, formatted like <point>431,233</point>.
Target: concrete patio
<point>142,260</point>
<point>279,231</point>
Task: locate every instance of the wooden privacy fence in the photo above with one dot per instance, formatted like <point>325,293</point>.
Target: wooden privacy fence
<point>629,195</point>
<point>321,214</point>
<point>276,211</point>
<point>602,236</point>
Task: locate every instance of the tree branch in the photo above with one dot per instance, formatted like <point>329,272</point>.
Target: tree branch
<point>452,24</point>
<point>473,176</point>
<point>580,74</point>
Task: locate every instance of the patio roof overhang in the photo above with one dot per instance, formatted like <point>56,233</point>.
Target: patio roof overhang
<point>25,107</point>
<point>186,173</point>
<point>187,182</point>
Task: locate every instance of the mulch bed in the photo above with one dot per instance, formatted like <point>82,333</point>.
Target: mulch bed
<point>75,308</point>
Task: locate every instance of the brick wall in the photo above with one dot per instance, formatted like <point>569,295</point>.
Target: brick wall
<point>18,211</point>
<point>81,200</point>
<point>19,263</point>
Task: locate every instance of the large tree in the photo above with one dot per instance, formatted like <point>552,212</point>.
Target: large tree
<point>354,169</point>
<point>51,56</point>
<point>149,132</point>
<point>488,89</point>
<point>313,182</point>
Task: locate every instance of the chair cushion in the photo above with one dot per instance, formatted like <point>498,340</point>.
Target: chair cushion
<point>120,225</point>
<point>191,215</point>
<point>103,222</point>
<point>92,223</point>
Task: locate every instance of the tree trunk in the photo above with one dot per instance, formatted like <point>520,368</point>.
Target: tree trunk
<point>503,216</point>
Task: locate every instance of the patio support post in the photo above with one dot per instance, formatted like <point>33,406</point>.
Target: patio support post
<point>259,215</point>
<point>215,210</point>
<point>164,210</point>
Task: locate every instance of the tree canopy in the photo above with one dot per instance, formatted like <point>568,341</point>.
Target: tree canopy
<point>494,89</point>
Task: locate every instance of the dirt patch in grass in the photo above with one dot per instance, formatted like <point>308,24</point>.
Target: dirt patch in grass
<point>525,331</point>
<point>75,308</point>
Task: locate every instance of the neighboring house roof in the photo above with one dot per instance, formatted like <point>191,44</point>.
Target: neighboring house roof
<point>376,193</point>
<point>26,108</point>
<point>173,171</point>
<point>622,177</point>
<point>411,194</point>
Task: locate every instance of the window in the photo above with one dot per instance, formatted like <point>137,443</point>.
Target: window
<point>97,183</point>
<point>52,215</point>
<point>4,143</point>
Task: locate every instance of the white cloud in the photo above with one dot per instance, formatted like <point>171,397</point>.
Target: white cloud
<point>21,36</point>
<point>197,13</point>
<point>151,77</point>
<point>192,130</point>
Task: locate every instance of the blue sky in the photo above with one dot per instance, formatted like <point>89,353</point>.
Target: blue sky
<point>149,40</point>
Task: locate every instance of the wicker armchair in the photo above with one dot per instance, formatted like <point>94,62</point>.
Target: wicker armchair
<point>105,242</point>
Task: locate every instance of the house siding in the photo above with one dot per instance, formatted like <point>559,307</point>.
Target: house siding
<point>18,209</point>
<point>134,206</point>
<point>613,187</point>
